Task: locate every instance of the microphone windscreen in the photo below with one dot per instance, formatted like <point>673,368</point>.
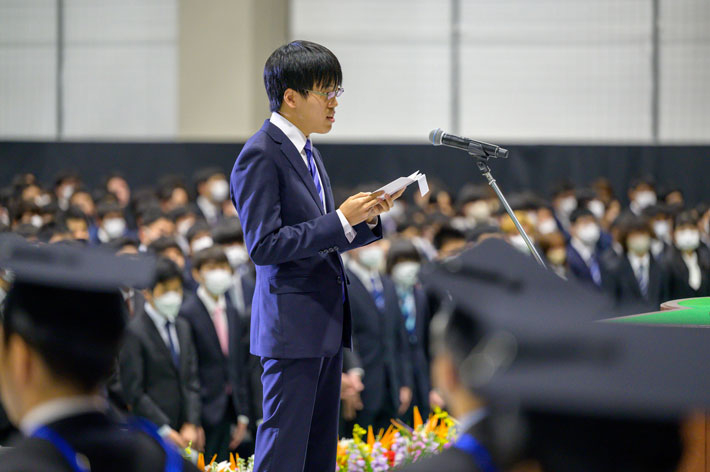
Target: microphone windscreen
<point>435,136</point>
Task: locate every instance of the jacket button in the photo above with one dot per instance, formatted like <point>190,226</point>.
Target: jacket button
<point>336,248</point>
<point>340,280</point>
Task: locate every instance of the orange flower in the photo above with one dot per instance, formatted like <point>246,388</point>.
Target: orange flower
<point>201,462</point>
<point>417,418</point>
<point>370,437</point>
<point>214,458</point>
<point>232,462</point>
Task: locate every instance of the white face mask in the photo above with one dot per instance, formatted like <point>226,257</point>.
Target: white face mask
<point>518,243</point>
<point>662,229</point>
<point>36,221</point>
<point>405,274</point>
<point>218,281</point>
<point>168,305</point>
<point>639,244</point>
<point>478,211</point>
<point>568,205</point>
<point>589,234</point>
<point>67,192</point>
<point>372,257</point>
<point>237,255</point>
<point>201,243</point>
<point>219,190</point>
<point>547,226</point>
<point>645,199</point>
<point>687,239</point>
<point>43,200</point>
<point>114,227</point>
<point>184,226</point>
<point>597,208</point>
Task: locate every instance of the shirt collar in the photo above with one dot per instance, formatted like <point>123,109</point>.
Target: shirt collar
<point>691,258</point>
<point>153,314</point>
<point>636,260</point>
<point>209,302</point>
<point>366,276</point>
<point>295,135</point>
<point>60,408</point>
<point>582,249</point>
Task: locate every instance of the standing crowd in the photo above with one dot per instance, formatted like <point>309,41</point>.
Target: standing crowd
<point>185,363</point>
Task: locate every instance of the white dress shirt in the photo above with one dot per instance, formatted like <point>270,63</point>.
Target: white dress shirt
<point>298,139</point>
<point>58,409</point>
<point>370,279</point>
<point>637,262</point>
<point>695,278</point>
<point>159,322</point>
<point>585,251</point>
<point>211,305</point>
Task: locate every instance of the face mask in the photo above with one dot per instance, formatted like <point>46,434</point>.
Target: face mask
<point>645,199</point>
<point>405,274</point>
<point>67,192</point>
<point>687,239</point>
<point>479,211</point>
<point>597,208</point>
<point>36,221</point>
<point>5,219</point>
<point>547,226</point>
<point>662,229</point>
<point>372,257</point>
<point>114,227</point>
<point>557,256</point>
<point>219,190</point>
<point>532,217</point>
<point>639,244</point>
<point>518,243</point>
<point>568,205</point>
<point>589,234</point>
<point>218,281</point>
<point>168,304</point>
<point>201,243</point>
<point>237,255</point>
<point>43,200</point>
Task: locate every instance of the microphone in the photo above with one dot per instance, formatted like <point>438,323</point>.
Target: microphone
<point>473,147</point>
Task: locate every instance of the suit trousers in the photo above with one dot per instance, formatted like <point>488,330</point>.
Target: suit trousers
<point>301,403</point>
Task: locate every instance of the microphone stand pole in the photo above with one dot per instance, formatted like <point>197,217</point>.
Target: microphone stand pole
<point>482,163</point>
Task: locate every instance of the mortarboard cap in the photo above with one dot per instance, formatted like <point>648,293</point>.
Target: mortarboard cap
<point>537,345</point>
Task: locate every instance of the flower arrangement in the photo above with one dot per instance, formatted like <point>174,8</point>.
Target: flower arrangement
<point>367,452</point>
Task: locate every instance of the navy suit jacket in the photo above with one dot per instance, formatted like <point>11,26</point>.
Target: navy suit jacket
<point>215,369</point>
<point>300,307</point>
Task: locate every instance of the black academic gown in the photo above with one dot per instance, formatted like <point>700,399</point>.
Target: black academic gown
<point>107,446</point>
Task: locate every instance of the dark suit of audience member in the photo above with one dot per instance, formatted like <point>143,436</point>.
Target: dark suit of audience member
<point>589,271</point>
<point>380,341</point>
<point>153,385</point>
<point>223,377</point>
<point>647,285</point>
<point>418,342</point>
<point>679,274</point>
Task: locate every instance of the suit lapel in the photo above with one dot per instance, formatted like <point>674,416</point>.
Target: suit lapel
<point>157,339</point>
<point>295,159</point>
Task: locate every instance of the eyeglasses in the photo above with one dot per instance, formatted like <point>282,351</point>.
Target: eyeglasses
<point>330,95</point>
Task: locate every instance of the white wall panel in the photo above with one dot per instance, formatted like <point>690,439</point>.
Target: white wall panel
<point>556,70</point>
<point>396,64</point>
<point>120,72</point>
<point>27,69</point>
<point>685,71</point>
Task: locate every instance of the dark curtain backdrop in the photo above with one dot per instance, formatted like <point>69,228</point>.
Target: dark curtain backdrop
<point>530,167</point>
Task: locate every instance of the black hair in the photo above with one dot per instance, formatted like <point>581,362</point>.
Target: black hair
<point>27,231</point>
<point>164,243</point>
<point>213,254</point>
<point>104,208</point>
<point>580,213</point>
<point>471,193</point>
<point>228,231</point>
<point>401,250</point>
<point>197,228</point>
<point>166,270</point>
<point>445,234</point>
<point>120,243</point>
<point>628,223</point>
<point>686,218</point>
<point>562,187</point>
<point>642,180</point>
<point>151,215</point>
<point>76,332</point>
<point>475,234</point>
<point>168,184</point>
<point>299,65</point>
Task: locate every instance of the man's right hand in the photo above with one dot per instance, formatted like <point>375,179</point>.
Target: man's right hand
<point>175,438</point>
<point>356,209</point>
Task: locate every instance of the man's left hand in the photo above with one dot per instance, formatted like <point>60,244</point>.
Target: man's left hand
<point>238,436</point>
<point>405,399</point>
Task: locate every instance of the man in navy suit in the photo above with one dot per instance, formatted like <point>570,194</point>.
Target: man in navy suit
<point>294,235</point>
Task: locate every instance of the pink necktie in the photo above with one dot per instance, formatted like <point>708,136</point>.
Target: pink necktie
<point>220,326</point>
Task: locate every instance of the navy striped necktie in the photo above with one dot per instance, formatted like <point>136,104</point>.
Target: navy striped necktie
<point>312,169</point>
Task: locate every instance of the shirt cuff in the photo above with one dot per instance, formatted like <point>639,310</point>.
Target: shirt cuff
<point>243,419</point>
<point>347,229</point>
<point>164,431</point>
<point>357,371</point>
<point>374,225</point>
